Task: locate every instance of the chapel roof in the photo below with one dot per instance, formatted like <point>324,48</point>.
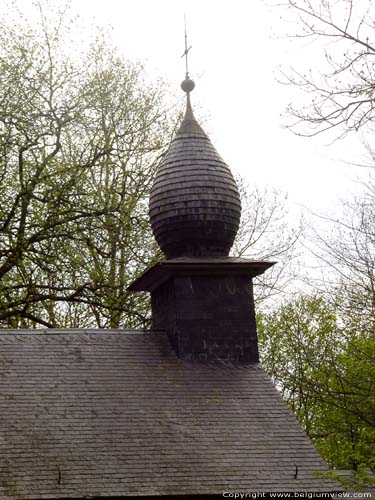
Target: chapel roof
<point>110,413</point>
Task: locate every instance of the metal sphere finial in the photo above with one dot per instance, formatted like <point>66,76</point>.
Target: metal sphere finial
<point>187,85</point>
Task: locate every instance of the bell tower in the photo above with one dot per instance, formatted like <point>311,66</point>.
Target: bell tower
<point>200,296</point>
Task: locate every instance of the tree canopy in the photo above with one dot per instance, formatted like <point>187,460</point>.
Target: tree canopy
<point>325,370</point>
<point>80,139</point>
<point>319,346</point>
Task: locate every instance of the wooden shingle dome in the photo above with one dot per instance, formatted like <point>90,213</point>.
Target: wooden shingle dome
<point>195,205</point>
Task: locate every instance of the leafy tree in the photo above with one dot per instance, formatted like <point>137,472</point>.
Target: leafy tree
<point>325,369</point>
<point>341,91</point>
<point>80,139</point>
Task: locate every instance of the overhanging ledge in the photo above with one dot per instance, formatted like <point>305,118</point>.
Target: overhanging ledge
<point>197,266</point>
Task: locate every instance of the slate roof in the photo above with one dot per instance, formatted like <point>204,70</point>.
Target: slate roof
<point>91,413</point>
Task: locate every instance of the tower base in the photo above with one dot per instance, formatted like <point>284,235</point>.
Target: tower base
<point>206,306</point>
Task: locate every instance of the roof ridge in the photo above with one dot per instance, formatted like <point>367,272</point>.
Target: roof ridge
<point>63,331</point>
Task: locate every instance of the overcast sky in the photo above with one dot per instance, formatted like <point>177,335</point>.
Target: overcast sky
<point>234,62</point>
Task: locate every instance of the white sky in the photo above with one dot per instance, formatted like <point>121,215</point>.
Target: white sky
<point>234,61</point>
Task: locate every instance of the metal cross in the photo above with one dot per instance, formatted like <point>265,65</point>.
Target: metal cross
<point>185,54</point>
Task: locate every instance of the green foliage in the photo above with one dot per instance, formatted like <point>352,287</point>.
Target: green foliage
<point>80,140</point>
<point>326,373</point>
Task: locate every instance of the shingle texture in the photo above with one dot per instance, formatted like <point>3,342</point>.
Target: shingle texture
<point>104,413</point>
<point>195,206</point>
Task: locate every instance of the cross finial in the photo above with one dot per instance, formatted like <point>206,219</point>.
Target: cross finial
<point>185,54</point>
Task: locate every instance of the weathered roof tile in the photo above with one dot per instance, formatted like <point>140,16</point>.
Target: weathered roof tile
<point>91,413</point>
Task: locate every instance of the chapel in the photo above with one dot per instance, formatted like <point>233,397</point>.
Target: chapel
<point>184,410</point>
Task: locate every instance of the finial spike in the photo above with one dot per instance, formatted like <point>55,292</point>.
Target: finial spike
<point>187,85</point>
<point>185,54</point>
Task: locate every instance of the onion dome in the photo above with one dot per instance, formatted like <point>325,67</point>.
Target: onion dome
<point>195,205</point>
